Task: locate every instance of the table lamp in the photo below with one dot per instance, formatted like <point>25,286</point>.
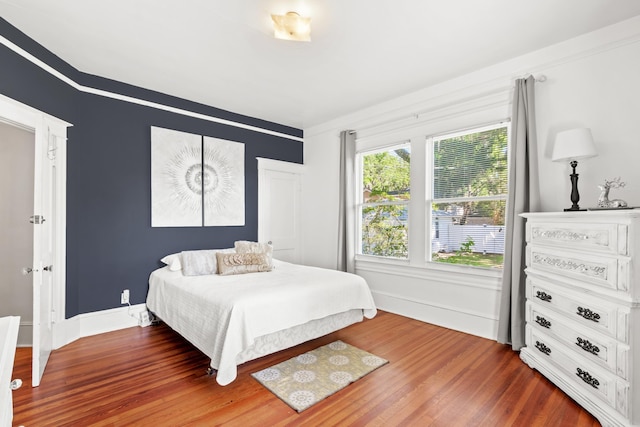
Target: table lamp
<point>573,145</point>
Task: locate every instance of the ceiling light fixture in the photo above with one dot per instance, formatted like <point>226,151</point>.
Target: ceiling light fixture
<point>291,26</point>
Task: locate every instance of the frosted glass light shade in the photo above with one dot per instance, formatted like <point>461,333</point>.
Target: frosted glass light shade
<point>573,144</point>
<point>291,26</point>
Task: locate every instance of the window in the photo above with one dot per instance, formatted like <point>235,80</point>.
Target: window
<point>468,197</point>
<point>384,207</point>
<point>462,221</point>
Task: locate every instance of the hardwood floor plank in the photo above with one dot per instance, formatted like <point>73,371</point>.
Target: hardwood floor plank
<point>153,377</point>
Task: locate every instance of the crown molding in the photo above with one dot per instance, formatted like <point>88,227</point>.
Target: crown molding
<point>86,89</point>
<point>491,82</point>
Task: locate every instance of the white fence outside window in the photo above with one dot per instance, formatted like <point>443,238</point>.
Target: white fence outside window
<point>448,237</point>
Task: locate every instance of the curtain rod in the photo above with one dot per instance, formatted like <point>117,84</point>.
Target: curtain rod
<point>540,79</point>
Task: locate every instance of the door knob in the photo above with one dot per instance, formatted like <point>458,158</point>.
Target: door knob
<point>48,268</point>
<point>16,384</point>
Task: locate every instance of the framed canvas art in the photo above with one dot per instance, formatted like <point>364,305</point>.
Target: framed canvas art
<point>195,180</point>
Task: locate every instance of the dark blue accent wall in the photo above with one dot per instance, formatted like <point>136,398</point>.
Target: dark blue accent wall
<point>111,245</point>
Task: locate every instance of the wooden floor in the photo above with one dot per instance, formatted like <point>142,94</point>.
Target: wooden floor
<point>153,377</point>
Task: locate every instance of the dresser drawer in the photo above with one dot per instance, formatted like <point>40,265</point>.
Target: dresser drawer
<point>585,309</point>
<point>603,271</point>
<point>592,237</point>
<point>598,348</point>
<point>586,376</point>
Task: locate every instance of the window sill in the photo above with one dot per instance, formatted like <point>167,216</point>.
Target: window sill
<point>464,275</point>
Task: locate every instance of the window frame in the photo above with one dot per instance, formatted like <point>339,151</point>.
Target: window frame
<point>430,200</point>
<point>418,263</point>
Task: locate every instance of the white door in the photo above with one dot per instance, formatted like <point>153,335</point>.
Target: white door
<point>279,195</point>
<point>44,250</point>
<point>8,338</point>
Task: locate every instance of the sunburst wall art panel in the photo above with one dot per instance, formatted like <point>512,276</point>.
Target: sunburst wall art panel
<point>195,180</point>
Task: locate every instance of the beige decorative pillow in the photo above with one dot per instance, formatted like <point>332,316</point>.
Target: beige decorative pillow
<point>242,263</point>
<point>247,247</point>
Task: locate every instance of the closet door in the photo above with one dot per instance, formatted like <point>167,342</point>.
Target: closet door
<point>279,195</point>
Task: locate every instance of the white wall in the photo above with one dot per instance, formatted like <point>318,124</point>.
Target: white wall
<point>16,233</point>
<point>592,81</point>
<point>600,91</point>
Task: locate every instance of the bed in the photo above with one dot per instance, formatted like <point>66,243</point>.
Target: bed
<point>236,318</point>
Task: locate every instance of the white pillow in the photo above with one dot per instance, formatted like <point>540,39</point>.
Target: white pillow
<point>174,261</point>
<point>199,263</point>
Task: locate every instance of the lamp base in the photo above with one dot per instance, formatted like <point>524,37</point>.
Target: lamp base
<point>575,196</point>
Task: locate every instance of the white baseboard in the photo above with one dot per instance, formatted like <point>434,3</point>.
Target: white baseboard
<point>447,317</point>
<point>84,325</point>
<point>25,334</point>
<point>98,322</point>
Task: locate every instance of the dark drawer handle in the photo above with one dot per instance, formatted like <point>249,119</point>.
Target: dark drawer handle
<point>587,378</point>
<point>588,314</point>
<point>543,322</point>
<point>587,346</point>
<point>543,296</point>
<point>543,348</point>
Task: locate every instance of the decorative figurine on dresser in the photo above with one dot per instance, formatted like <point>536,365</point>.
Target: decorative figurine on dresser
<point>603,199</point>
<point>583,308</point>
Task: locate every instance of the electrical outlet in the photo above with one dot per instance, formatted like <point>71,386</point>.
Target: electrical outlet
<point>124,297</point>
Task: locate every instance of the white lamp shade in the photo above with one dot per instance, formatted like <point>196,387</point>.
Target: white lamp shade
<point>573,144</point>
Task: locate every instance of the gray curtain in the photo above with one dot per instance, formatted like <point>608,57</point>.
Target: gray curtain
<point>346,207</point>
<point>524,196</point>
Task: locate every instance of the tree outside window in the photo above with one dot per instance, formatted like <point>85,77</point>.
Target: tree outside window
<point>385,202</point>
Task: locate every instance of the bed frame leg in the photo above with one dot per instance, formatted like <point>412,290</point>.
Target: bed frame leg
<point>211,372</point>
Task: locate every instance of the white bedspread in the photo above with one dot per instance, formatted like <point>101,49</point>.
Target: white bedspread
<point>223,315</point>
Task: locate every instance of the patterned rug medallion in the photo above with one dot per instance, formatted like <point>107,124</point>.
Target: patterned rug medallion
<point>307,379</point>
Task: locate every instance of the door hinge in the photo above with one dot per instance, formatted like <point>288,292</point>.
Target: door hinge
<point>36,219</point>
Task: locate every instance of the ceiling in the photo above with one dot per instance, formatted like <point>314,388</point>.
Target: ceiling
<point>222,53</point>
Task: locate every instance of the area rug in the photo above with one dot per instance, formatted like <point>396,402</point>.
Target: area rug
<point>311,377</point>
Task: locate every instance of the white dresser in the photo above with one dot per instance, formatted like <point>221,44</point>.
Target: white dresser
<point>583,308</point>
